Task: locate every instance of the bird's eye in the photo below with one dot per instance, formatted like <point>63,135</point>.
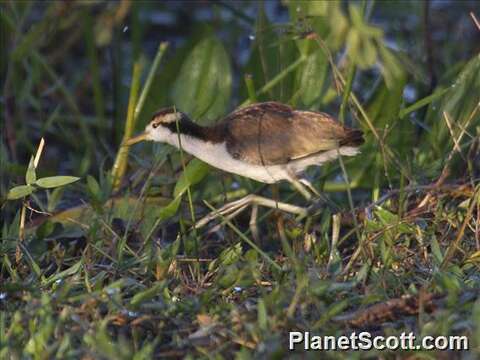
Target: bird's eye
<point>155,125</point>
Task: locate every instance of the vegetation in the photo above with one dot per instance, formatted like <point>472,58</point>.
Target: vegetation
<point>111,266</point>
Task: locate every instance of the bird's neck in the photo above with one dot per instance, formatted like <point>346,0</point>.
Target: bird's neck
<point>190,136</point>
<point>205,143</point>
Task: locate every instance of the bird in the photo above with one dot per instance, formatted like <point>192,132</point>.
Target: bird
<point>268,142</point>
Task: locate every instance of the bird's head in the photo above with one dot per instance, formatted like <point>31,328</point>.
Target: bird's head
<point>164,123</point>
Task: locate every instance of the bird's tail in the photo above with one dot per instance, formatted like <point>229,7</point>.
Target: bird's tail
<point>353,137</point>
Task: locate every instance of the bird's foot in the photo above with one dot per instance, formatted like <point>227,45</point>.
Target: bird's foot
<point>232,209</point>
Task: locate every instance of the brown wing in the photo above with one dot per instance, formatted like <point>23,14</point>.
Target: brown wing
<point>272,133</point>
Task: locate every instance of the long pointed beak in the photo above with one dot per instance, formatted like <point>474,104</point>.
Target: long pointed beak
<point>136,139</point>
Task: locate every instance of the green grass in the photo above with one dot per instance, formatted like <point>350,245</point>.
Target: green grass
<point>111,267</point>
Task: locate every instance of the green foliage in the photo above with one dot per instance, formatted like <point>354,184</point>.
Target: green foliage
<point>460,103</point>
<point>203,86</point>
<point>271,55</point>
<point>147,294</point>
<point>194,172</point>
<point>19,192</point>
<point>312,77</point>
<point>122,273</point>
<point>55,181</point>
<point>33,183</point>
<point>361,40</point>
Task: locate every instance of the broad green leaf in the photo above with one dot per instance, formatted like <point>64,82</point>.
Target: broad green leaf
<point>367,55</point>
<point>362,39</point>
<point>203,87</point>
<point>164,79</point>
<point>359,23</point>
<point>84,212</point>
<point>312,78</point>
<point>312,8</point>
<point>194,172</point>
<point>94,187</point>
<point>391,68</point>
<point>353,44</point>
<point>361,49</point>
<point>356,16</point>
<point>19,192</point>
<point>339,25</point>
<point>169,210</point>
<point>54,181</point>
<point>30,176</point>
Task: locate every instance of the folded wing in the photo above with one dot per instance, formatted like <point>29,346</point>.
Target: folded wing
<point>272,133</point>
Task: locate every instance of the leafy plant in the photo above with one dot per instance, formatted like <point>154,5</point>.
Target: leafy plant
<point>33,184</point>
<point>123,273</point>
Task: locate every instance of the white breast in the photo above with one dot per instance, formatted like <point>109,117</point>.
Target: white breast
<point>216,155</point>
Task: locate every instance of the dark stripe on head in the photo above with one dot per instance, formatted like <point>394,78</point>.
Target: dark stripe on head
<point>164,111</point>
<point>188,127</point>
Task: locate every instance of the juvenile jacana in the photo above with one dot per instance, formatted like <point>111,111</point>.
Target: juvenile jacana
<point>267,142</point>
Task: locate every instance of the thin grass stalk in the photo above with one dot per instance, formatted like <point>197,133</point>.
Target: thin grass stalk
<point>134,109</point>
<point>422,102</point>
<point>138,109</point>
<point>120,164</point>
<point>21,233</point>
<point>136,35</point>
<point>151,75</point>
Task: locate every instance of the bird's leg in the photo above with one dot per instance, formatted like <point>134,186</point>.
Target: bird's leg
<point>277,214</point>
<point>318,194</point>
<point>309,185</point>
<point>297,184</point>
<point>226,218</point>
<point>253,223</point>
<point>251,199</point>
<point>234,207</point>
